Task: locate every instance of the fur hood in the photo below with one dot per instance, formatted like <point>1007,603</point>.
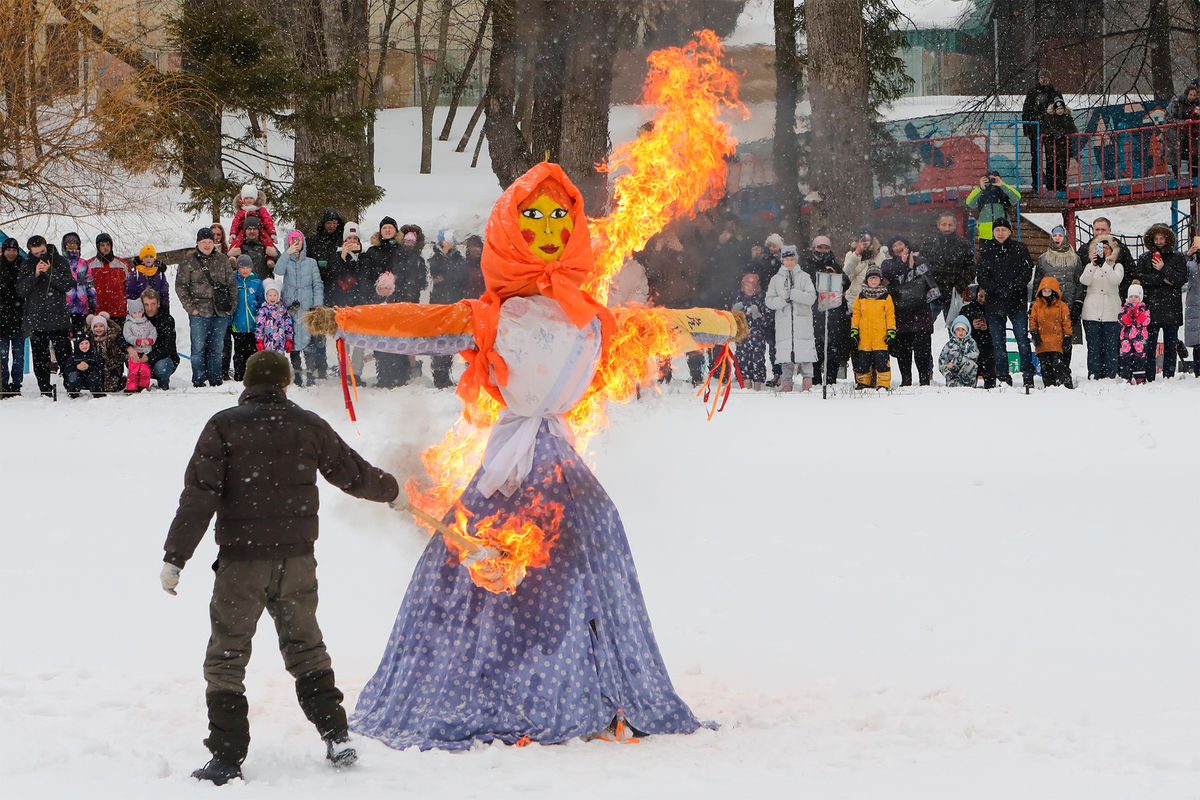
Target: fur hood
<point>376,240</point>
<point>1152,231</point>
<point>259,202</point>
<point>1113,243</point>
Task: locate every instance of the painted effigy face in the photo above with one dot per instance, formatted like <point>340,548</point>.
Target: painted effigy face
<point>546,226</point>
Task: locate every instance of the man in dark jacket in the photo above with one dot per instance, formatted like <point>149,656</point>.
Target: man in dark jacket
<point>406,282</point>
<point>163,357</point>
<point>1162,271</point>
<point>255,466</point>
<point>951,264</point>
<point>1005,270</point>
<point>12,313</point>
<point>324,245</point>
<point>45,278</point>
<point>451,283</point>
<point>1182,140</point>
<point>1037,100</point>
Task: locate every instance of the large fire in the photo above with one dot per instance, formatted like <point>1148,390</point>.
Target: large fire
<point>676,167</point>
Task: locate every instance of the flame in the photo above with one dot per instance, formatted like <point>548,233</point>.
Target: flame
<point>676,167</point>
<point>521,544</point>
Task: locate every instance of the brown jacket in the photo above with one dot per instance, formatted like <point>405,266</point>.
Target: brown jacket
<point>192,285</point>
<point>1051,321</point>
<point>256,466</point>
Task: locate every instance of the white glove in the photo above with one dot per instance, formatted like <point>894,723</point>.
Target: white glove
<point>169,577</point>
<point>480,554</point>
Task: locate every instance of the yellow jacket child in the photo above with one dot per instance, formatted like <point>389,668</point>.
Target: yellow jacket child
<point>873,327</point>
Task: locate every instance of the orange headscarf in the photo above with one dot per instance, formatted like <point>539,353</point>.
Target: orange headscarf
<point>511,269</point>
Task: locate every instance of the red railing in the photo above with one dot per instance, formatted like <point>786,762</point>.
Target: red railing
<point>1107,166</point>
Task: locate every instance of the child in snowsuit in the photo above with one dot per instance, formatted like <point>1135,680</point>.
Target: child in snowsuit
<point>250,203</point>
<point>959,360</point>
<point>140,334</point>
<point>87,360</point>
<point>872,329</point>
<point>751,351</point>
<point>1133,359</point>
<point>249,299</point>
<point>273,325</point>
<point>81,299</point>
<point>1050,328</point>
<point>976,315</point>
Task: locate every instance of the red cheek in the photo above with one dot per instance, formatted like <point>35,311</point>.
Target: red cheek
<point>527,236</point>
<point>565,235</point>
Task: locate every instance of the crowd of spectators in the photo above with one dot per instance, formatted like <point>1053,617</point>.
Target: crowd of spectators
<point>105,323</point>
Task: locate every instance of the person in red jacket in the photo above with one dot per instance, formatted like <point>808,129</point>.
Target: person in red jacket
<point>252,202</point>
<point>109,273</point>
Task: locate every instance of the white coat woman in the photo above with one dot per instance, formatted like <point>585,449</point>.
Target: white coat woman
<point>1102,276</point>
<point>791,296</point>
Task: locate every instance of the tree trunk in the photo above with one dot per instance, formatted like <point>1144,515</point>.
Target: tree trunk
<point>430,93</point>
<point>509,155</point>
<point>475,115</point>
<point>586,99</point>
<point>785,154</point>
<point>1159,42</point>
<point>555,36</point>
<point>839,156</point>
<point>461,84</point>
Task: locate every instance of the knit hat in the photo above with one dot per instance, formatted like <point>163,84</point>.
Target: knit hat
<point>1136,290</point>
<point>1044,73</point>
<point>410,237</point>
<point>387,221</point>
<point>293,236</point>
<point>267,368</point>
<point>134,307</point>
<point>774,239</point>
<point>103,237</point>
<point>873,270</point>
<point>960,322</point>
<point>1058,229</point>
<point>244,261</point>
<point>252,221</point>
<point>71,237</point>
<point>821,240</point>
<point>272,283</point>
<point>902,240</point>
<point>474,240</point>
<point>351,229</point>
<point>1001,223</point>
<point>386,282</point>
<point>1058,103</point>
<point>11,244</point>
<point>788,251</point>
<point>249,192</point>
<point>147,252</point>
<point>98,319</point>
<point>205,233</point>
<point>447,235</point>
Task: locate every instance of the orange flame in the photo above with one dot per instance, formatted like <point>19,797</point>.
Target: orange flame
<point>675,168</point>
<point>518,543</point>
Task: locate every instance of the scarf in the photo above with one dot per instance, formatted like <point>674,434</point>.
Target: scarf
<point>148,271</point>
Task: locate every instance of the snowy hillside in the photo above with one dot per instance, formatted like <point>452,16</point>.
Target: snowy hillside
<point>937,594</point>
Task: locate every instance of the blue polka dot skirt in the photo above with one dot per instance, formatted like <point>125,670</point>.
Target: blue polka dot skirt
<point>556,660</point>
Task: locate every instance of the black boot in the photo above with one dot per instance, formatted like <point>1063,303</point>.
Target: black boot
<point>339,751</point>
<point>228,727</point>
<point>321,702</point>
<point>218,771</point>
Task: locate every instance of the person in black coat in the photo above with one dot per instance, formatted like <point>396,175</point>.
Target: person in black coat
<point>912,289</point>
<point>45,278</point>
<point>1005,270</point>
<point>323,246</point>
<point>1057,127</point>
<point>1162,271</point>
<point>399,257</point>
<point>1037,100</point>
<point>12,313</point>
<point>951,264</point>
<point>349,272</point>
<point>163,357</point>
<point>450,283</point>
<point>821,259</point>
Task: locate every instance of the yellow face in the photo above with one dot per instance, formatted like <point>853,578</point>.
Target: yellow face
<point>546,226</point>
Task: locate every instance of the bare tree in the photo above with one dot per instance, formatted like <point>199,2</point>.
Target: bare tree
<point>464,75</point>
<point>430,87</point>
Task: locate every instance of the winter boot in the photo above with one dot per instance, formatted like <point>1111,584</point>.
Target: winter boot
<point>218,772</point>
<point>339,751</point>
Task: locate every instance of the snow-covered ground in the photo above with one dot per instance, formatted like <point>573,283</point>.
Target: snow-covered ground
<point>936,594</point>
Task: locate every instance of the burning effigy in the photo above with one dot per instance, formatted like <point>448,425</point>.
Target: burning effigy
<point>524,619</point>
